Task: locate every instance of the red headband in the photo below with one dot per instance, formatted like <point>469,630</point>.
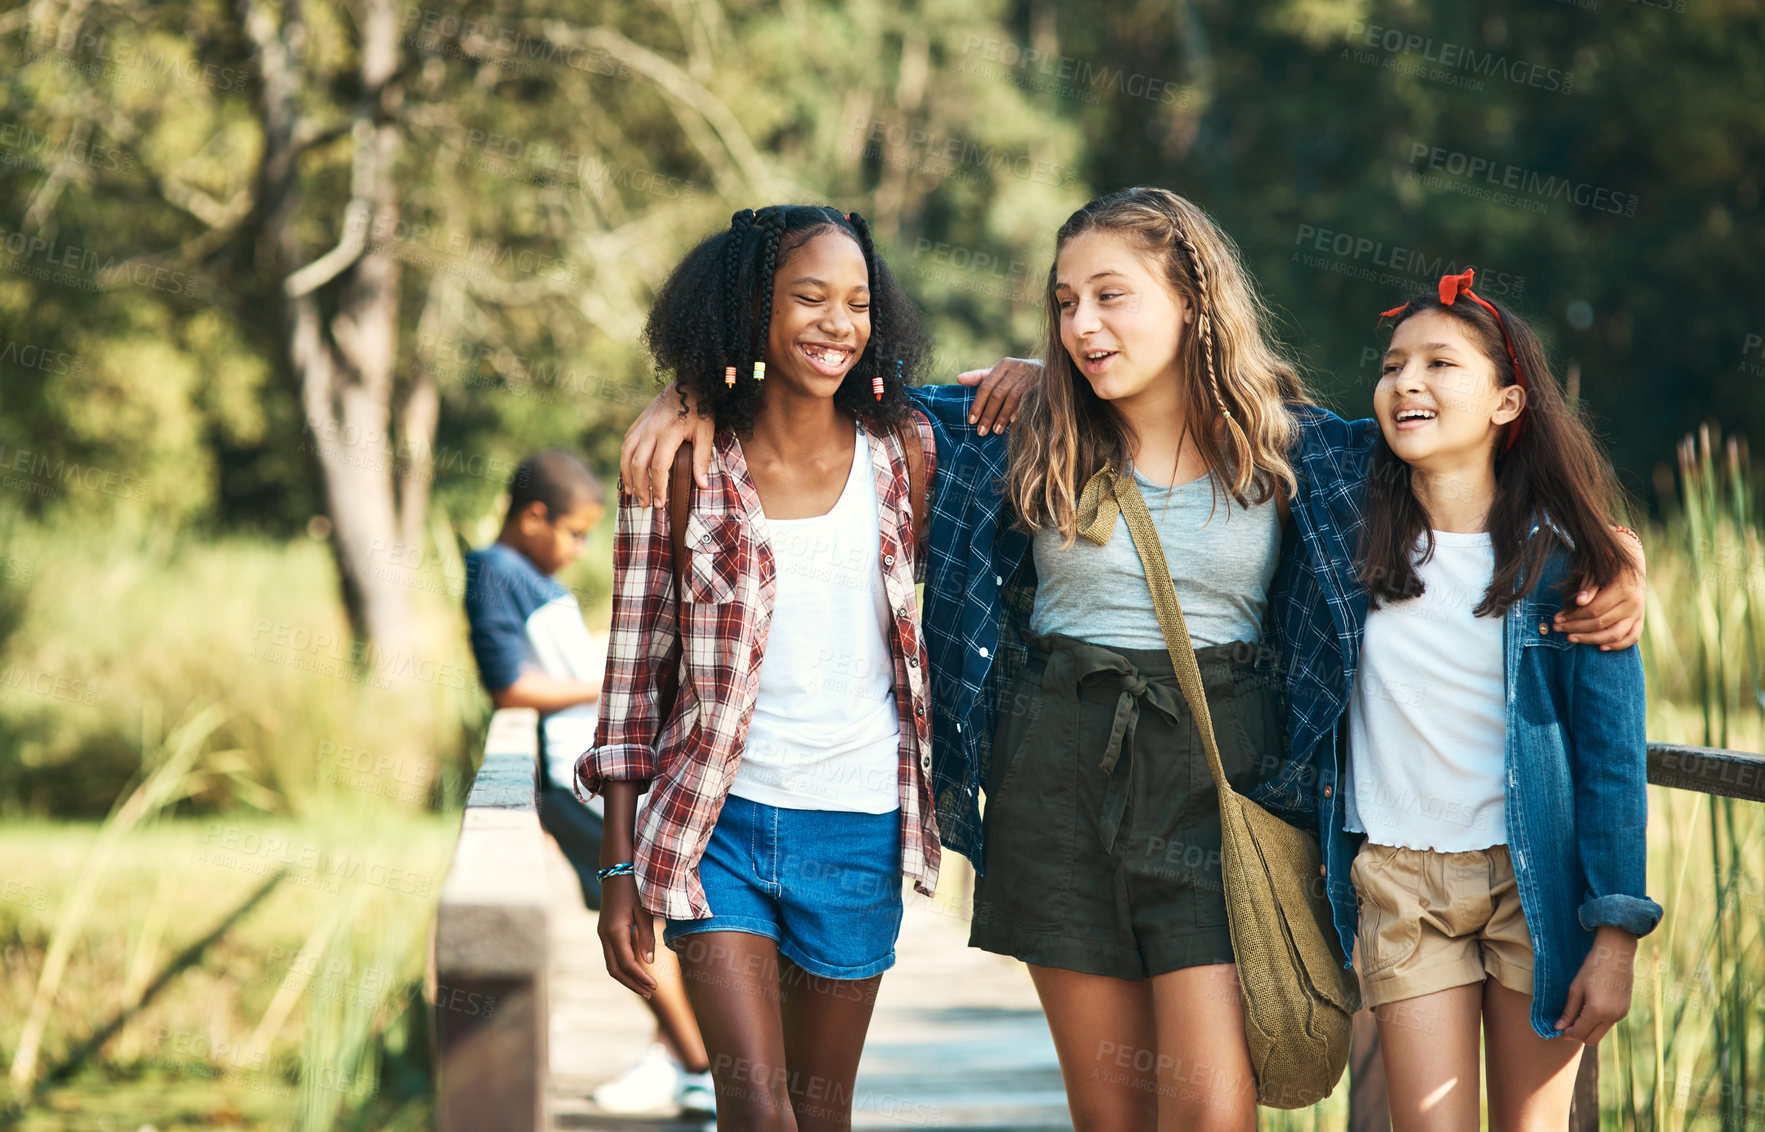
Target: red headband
<point>1451,287</point>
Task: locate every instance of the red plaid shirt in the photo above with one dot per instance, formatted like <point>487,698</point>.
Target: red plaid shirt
<point>717,634</point>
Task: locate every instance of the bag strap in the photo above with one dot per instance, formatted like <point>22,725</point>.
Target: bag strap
<point>1105,494</point>
<point>913,448</point>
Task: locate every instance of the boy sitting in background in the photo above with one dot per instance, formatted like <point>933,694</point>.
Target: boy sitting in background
<point>533,650</point>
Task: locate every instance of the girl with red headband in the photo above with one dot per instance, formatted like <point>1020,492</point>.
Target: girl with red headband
<point>1496,771</point>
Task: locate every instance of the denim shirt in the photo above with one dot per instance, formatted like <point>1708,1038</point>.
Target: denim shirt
<point>1576,745</point>
<point>974,553</point>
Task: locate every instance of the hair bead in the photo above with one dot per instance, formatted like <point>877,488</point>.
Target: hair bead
<point>729,377</point>
<point>759,371</point>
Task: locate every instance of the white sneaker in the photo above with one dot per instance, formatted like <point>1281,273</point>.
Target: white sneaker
<point>696,1095</point>
<point>649,1086</point>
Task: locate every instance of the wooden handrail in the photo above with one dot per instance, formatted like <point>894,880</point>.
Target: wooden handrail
<point>490,949</point>
<point>1708,770</point>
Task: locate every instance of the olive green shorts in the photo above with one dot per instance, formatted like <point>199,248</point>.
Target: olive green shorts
<point>1102,824</point>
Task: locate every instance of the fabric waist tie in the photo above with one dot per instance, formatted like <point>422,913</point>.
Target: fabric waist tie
<point>1074,664</point>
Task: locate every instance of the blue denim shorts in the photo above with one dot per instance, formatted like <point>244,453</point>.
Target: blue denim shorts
<point>825,885</point>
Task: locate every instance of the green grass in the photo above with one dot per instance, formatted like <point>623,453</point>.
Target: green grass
<point>165,670</point>
<point>367,887</point>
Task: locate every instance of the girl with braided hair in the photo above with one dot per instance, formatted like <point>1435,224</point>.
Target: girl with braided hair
<point>766,674</point>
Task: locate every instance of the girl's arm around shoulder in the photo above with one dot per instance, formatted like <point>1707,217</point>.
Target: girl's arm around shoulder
<point>1608,762</point>
<point>643,651</point>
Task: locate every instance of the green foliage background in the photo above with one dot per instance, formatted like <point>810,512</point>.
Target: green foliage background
<point>571,183</point>
<point>158,492</point>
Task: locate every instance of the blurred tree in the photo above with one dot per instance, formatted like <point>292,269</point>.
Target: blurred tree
<point>397,247</point>
<point>1600,163</point>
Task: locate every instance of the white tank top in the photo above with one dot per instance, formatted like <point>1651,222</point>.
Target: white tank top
<point>825,734</point>
<point>1427,720</point>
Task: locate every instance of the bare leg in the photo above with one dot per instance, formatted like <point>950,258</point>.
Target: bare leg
<point>676,1028</point>
<point>732,981</point>
<point>1531,1079</point>
<point>825,1021</point>
<point>1108,1048</point>
<point>1205,1081</point>
<point>1429,1044</point>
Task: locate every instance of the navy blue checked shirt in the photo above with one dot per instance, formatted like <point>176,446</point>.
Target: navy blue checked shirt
<point>980,584</point>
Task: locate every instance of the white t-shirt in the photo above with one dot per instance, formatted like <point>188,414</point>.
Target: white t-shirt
<point>1427,723</point>
<point>825,733</point>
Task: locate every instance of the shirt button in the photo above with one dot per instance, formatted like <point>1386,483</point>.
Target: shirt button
<point>997,580</point>
<point>983,651</point>
<point>1543,629</point>
<point>919,709</point>
<point>912,662</point>
<point>888,560</point>
<point>1323,870</point>
<point>1329,791</point>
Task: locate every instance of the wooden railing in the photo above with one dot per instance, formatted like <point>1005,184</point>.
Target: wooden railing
<point>488,963</point>
<point>1708,770</point>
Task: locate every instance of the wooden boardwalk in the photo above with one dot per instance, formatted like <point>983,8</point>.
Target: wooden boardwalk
<point>958,1040</point>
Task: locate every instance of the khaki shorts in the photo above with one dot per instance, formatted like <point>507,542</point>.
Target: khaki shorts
<point>1432,921</point>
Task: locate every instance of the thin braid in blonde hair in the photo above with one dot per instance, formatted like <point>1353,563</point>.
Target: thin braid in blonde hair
<point>1203,318</point>
<point>1241,451</point>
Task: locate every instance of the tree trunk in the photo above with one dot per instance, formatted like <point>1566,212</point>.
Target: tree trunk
<point>341,353</point>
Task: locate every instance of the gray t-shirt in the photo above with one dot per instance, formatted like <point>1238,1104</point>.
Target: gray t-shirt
<point>1222,568</point>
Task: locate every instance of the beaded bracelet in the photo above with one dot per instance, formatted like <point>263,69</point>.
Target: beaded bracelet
<point>623,869</point>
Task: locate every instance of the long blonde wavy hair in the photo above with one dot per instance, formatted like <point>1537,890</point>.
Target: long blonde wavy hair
<point>1235,374</point>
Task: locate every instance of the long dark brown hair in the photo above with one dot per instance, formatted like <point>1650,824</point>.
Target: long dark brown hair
<point>1554,475</point>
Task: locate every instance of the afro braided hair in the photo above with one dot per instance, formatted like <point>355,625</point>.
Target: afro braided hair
<point>716,307</point>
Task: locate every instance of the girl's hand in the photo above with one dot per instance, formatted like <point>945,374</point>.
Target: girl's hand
<point>1611,617</point>
<point>1600,994</point>
<point>628,934</point>
<point>1001,388</point>
<point>652,440</point>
